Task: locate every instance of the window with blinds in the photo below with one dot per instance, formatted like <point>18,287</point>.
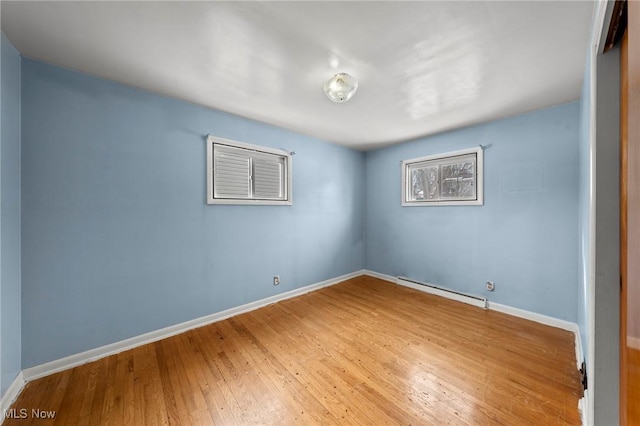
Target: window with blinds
<point>239,173</point>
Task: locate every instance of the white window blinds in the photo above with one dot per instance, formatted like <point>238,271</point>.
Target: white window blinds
<point>232,172</point>
<point>268,182</point>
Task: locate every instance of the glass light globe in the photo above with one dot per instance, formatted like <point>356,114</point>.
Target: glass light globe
<point>341,87</point>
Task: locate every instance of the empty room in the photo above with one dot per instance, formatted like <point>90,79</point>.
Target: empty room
<point>301,212</point>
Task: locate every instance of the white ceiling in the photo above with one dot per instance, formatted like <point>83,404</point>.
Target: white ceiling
<point>423,67</point>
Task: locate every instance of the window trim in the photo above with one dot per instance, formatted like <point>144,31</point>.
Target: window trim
<point>479,201</point>
<point>213,140</point>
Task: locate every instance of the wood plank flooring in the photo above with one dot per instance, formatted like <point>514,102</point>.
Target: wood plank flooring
<point>633,386</point>
<point>364,351</point>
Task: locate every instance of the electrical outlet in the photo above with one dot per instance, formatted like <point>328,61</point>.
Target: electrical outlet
<point>491,286</point>
<point>276,280</point>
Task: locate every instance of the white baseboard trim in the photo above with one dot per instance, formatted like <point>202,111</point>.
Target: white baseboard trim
<point>583,407</point>
<point>71,361</point>
<point>633,342</point>
<point>579,353</point>
<point>583,403</point>
<point>11,395</point>
<point>380,276</point>
<point>533,316</point>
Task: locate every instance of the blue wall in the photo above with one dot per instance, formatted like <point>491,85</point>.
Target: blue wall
<point>117,238</point>
<point>10,364</point>
<point>525,236</point>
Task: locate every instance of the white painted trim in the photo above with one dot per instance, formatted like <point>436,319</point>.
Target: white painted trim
<point>633,342</point>
<point>94,354</point>
<point>579,353</point>
<point>583,407</point>
<point>480,302</point>
<point>533,316</point>
<point>583,403</point>
<point>603,12</point>
<point>597,27</point>
<point>11,395</point>
<point>380,276</point>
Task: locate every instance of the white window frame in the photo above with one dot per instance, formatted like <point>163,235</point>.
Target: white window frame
<point>436,159</point>
<point>287,173</point>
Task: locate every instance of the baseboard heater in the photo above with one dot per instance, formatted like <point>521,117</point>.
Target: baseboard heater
<point>478,301</point>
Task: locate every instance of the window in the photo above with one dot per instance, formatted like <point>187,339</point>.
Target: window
<point>239,173</point>
<point>454,178</point>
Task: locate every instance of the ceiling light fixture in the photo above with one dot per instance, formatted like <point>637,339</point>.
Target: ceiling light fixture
<point>341,87</point>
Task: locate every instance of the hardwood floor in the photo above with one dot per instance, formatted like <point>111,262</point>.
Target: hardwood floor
<point>361,352</point>
<point>633,386</point>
